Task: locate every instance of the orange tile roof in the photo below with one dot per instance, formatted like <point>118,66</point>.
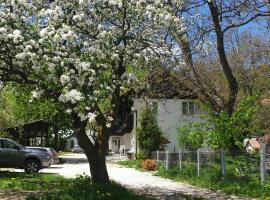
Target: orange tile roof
<point>265,139</point>
<point>254,143</point>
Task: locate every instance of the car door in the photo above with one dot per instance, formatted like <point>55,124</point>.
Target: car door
<point>13,155</point>
<point>2,163</point>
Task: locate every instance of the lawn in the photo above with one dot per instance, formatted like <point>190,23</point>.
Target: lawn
<point>137,164</point>
<point>55,187</point>
<point>243,183</point>
<point>62,153</point>
<point>32,182</point>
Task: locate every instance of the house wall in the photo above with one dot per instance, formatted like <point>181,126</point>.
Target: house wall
<point>126,140</point>
<point>169,117</point>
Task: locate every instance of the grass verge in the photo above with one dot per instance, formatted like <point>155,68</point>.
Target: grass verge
<point>245,183</point>
<point>31,182</point>
<point>62,153</point>
<point>137,164</point>
<point>55,187</point>
<point>83,189</point>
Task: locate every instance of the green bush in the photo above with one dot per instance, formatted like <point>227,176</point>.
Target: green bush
<point>149,134</point>
<point>142,155</point>
<point>83,189</point>
<point>221,130</point>
<point>190,136</point>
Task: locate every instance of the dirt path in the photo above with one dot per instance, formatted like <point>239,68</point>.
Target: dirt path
<point>144,182</point>
<point>160,188</point>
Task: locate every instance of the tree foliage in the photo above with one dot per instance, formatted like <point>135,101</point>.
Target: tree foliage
<point>219,127</point>
<point>190,136</point>
<point>18,108</point>
<point>237,126</point>
<point>77,52</point>
<point>149,134</point>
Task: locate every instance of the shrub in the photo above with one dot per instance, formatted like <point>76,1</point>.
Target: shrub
<point>190,136</point>
<point>149,165</point>
<point>220,129</point>
<point>149,135</point>
<point>142,155</point>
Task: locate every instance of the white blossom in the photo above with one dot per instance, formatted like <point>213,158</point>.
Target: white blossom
<point>72,96</point>
<point>91,117</point>
<point>77,55</point>
<point>64,79</point>
<point>37,94</point>
<point>109,125</point>
<point>82,116</point>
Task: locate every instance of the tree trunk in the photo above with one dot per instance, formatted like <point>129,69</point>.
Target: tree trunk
<point>98,169</point>
<point>56,138</point>
<point>94,150</point>
<point>233,85</point>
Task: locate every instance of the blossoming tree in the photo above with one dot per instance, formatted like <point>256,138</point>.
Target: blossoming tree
<point>83,53</point>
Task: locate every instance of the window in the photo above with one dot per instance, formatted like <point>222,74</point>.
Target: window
<point>185,108</point>
<point>8,145</point>
<point>189,108</point>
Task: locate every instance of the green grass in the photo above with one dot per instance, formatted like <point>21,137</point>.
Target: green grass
<point>137,164</point>
<point>247,186</point>
<point>61,153</point>
<point>31,182</point>
<point>55,187</point>
<point>83,189</point>
<point>240,181</point>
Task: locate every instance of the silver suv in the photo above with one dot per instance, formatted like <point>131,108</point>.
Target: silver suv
<point>14,155</point>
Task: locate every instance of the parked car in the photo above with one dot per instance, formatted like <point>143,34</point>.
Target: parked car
<point>14,155</point>
<point>53,154</point>
<point>77,149</point>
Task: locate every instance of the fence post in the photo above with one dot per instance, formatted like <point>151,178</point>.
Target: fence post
<point>223,163</point>
<point>198,162</point>
<point>157,158</point>
<point>263,164</point>
<point>167,160</point>
<point>180,160</point>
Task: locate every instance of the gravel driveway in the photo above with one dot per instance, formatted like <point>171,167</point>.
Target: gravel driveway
<point>140,182</point>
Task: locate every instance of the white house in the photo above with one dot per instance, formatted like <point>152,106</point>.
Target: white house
<point>171,114</point>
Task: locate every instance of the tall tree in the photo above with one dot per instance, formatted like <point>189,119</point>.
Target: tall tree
<point>205,38</point>
<point>78,52</point>
<point>214,19</point>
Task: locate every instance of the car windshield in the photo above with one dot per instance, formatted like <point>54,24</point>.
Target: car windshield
<point>16,143</point>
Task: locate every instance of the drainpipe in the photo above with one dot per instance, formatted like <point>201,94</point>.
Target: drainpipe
<point>135,131</point>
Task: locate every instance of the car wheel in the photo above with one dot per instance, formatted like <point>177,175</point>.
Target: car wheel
<point>32,166</point>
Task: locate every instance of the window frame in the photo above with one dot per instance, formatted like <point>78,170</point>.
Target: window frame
<point>3,147</point>
<point>187,111</point>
